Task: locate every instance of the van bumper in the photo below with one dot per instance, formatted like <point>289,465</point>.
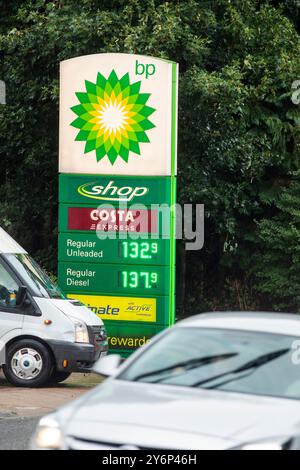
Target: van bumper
<point>80,357</point>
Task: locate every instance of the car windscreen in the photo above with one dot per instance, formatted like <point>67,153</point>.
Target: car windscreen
<point>218,359</point>
<point>34,276</point>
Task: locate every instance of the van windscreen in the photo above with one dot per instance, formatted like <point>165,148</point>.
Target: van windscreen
<point>34,276</point>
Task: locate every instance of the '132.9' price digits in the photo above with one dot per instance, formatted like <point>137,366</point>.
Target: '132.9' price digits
<point>134,250</point>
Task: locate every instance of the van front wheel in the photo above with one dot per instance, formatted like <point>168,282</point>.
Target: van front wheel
<point>59,376</point>
<point>28,364</point>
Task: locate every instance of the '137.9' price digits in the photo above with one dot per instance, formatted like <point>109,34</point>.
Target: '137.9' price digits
<point>134,279</point>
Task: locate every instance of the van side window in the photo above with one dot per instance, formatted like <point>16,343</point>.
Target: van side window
<point>8,289</point>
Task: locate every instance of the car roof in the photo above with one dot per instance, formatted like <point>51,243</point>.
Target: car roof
<point>8,244</point>
<point>280,323</point>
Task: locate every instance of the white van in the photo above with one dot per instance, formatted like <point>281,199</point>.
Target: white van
<point>44,336</point>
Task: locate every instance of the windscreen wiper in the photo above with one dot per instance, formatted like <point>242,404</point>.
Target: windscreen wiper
<point>248,366</point>
<point>187,365</point>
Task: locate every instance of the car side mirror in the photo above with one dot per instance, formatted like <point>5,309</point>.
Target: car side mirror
<point>108,366</point>
<point>21,296</point>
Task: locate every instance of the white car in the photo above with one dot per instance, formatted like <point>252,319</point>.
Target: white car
<point>214,381</point>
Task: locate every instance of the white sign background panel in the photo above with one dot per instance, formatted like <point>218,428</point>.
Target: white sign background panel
<point>155,157</point>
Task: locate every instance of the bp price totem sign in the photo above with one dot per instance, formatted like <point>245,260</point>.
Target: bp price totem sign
<point>117,189</point>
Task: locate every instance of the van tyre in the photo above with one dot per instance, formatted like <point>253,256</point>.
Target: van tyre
<point>59,376</point>
<point>28,364</point>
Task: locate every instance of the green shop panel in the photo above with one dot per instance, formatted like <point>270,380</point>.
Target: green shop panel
<point>98,278</point>
<point>126,338</point>
<point>128,309</point>
<point>89,248</point>
<point>134,222</point>
<point>101,189</point>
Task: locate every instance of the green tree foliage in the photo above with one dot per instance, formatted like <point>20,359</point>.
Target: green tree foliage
<point>277,255</point>
<point>238,129</point>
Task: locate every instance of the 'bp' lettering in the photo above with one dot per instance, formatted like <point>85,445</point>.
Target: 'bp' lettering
<point>147,69</point>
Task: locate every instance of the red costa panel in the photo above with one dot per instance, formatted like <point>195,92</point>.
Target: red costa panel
<point>115,220</point>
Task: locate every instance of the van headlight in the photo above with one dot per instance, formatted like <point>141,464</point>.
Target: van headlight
<point>81,332</point>
<point>48,435</point>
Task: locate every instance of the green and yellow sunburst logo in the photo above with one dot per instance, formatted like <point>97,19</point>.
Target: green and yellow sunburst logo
<point>113,117</point>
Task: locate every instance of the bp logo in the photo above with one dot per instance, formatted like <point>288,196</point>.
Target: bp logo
<point>112,117</point>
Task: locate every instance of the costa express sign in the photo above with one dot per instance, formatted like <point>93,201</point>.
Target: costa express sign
<point>107,219</point>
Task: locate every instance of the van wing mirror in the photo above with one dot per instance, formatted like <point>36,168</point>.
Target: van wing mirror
<point>21,296</point>
<point>108,365</point>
